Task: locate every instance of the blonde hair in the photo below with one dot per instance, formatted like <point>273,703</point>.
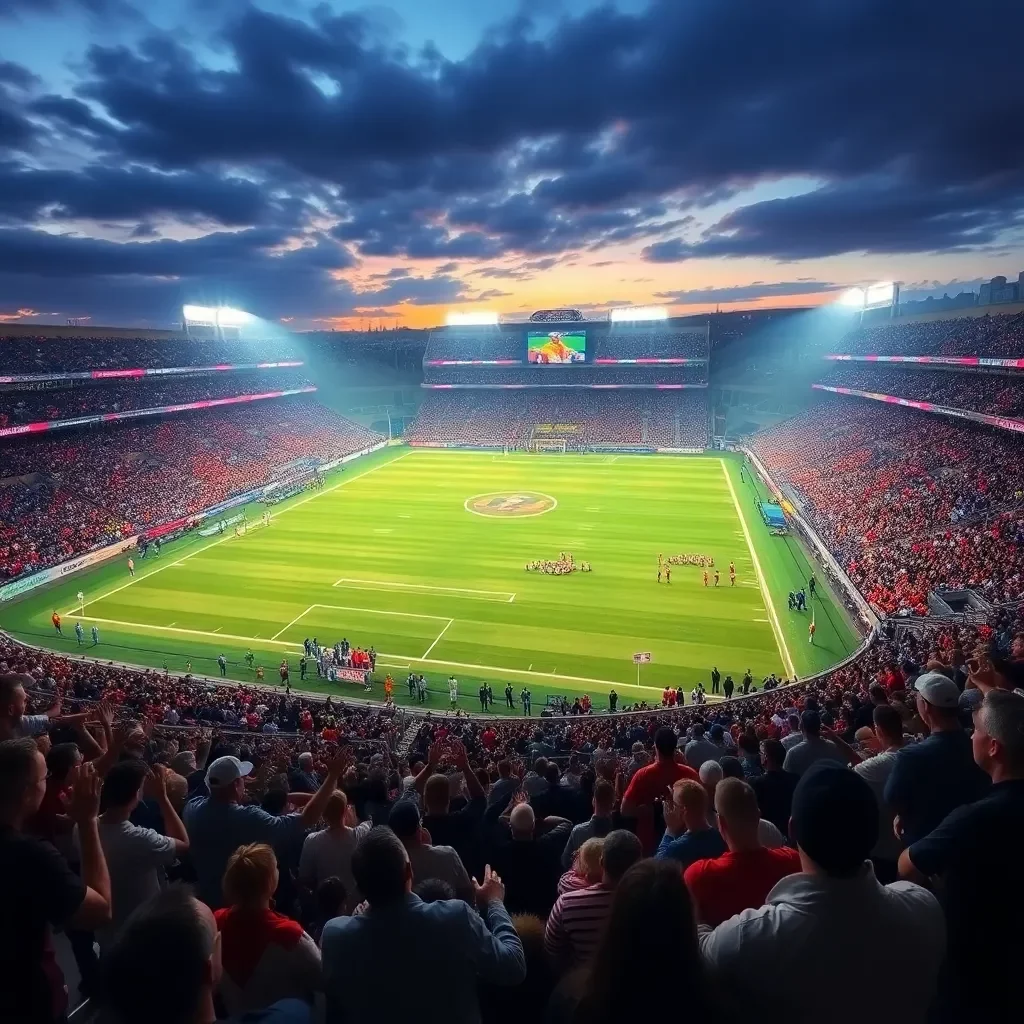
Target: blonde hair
<point>177,790</point>
<point>337,804</point>
<point>251,875</point>
<point>589,865</point>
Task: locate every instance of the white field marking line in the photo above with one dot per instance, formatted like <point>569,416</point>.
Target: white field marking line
<point>226,537</point>
<point>355,584</point>
<point>389,659</point>
<point>780,639</point>
<point>438,637</point>
<point>174,623</point>
<point>762,620</point>
<point>512,597</point>
<point>396,660</point>
<point>181,629</point>
<point>218,629</point>
<point>378,611</point>
<point>292,623</point>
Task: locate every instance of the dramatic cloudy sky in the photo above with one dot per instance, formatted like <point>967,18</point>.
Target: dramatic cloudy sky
<point>330,163</point>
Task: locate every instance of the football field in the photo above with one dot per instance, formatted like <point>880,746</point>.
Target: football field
<point>422,554</point>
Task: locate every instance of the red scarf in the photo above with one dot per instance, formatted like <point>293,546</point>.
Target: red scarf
<point>246,936</point>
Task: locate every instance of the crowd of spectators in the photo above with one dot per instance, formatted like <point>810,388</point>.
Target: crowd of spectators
<point>93,399</point>
<point>594,417</point>
<point>64,495</point>
<point>998,335</point>
<point>35,355</point>
<point>576,374</point>
<point>906,500</point>
<point>494,343</point>
<point>475,343</point>
<point>994,394</point>
<point>871,816</point>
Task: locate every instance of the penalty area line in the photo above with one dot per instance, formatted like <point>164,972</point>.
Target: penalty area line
<point>438,637</point>
<point>292,623</point>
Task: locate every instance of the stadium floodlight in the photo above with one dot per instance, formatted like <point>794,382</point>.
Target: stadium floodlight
<point>635,314</point>
<point>228,317</point>
<point>471,319</point>
<point>852,297</point>
<point>880,294</point>
<point>215,316</point>
<point>199,314</point>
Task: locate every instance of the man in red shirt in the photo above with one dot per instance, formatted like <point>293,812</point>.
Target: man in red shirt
<point>650,783</point>
<point>742,877</point>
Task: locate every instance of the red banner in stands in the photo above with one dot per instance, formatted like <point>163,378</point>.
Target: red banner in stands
<point>160,371</point>
<point>1003,422</point>
<point>1009,364</point>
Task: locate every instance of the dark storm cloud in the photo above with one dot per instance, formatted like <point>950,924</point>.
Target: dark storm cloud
<point>246,268</point>
<point>869,215</point>
<point>107,193</point>
<point>550,136</point>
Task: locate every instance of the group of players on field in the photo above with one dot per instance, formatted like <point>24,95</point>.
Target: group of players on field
<point>565,564</point>
<point>706,561</point>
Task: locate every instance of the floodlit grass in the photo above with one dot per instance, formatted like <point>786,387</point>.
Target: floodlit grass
<point>395,553</point>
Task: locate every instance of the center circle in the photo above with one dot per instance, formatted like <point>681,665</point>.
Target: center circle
<point>510,504</point>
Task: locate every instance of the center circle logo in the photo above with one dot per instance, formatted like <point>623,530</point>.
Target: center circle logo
<point>511,504</point>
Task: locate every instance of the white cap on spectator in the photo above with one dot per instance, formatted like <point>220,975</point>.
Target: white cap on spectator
<point>940,691</point>
<point>226,770</point>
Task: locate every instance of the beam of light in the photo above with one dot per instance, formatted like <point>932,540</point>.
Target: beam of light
<point>471,319</point>
<point>636,314</point>
<point>853,298</point>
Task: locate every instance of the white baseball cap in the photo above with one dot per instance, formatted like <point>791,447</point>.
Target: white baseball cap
<point>226,770</point>
<point>938,690</point>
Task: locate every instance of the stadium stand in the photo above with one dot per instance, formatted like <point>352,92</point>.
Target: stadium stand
<point>907,501</point>
<point>346,808</point>
<point>25,406</point>
<point>584,776</point>
<point>577,376</point>
<point>603,418</point>
<point>1001,334</point>
<point>63,496</point>
<point>28,355</point>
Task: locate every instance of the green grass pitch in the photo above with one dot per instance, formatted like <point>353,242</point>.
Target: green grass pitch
<point>416,553</point>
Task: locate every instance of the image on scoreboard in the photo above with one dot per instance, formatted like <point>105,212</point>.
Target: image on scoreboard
<point>556,347</point>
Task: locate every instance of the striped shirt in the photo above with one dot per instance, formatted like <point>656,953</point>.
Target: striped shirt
<point>575,923</point>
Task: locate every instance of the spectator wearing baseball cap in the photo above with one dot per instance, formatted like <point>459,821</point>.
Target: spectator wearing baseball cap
<point>812,748</point>
<point>221,822</point>
<point>932,778</point>
<point>834,921</point>
<point>976,852</point>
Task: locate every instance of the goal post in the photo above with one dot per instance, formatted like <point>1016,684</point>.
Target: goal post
<point>548,445</point>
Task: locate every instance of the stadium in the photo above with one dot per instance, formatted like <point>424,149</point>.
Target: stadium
<point>511,512</point>
<point>420,547</point>
<point>200,530</point>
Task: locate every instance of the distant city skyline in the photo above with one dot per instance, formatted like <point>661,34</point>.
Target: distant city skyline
<point>327,164</point>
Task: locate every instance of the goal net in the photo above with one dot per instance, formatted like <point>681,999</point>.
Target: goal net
<point>549,445</point>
